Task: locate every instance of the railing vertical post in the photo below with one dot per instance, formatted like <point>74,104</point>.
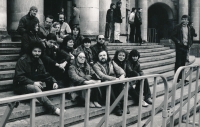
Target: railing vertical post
<point>195,98</point>
<point>181,101</point>
<point>62,109</point>
<point>125,104</point>
<point>154,99</point>
<point>87,112</point>
<point>32,117</point>
<point>140,102</point>
<point>189,96</point>
<point>165,103</point>
<point>107,113</point>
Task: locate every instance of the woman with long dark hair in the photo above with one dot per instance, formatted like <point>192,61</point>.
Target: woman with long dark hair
<point>77,37</point>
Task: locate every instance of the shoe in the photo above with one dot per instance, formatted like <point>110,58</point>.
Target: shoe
<point>92,105</point>
<point>144,104</point>
<point>57,111</point>
<point>97,105</point>
<point>118,112</point>
<point>149,101</point>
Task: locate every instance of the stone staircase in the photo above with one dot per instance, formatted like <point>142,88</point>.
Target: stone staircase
<point>154,59</point>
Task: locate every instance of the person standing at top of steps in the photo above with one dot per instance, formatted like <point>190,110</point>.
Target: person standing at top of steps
<point>24,21</point>
<point>118,20</point>
<point>132,25</point>
<point>31,77</point>
<point>110,21</point>
<point>181,35</point>
<point>100,45</point>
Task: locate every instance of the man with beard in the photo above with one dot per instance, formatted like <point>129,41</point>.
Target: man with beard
<point>100,45</point>
<point>108,70</point>
<point>65,29</point>
<point>31,77</point>
<point>24,21</point>
<point>46,27</point>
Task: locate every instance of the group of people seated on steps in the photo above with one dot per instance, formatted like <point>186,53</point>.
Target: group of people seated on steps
<point>51,60</point>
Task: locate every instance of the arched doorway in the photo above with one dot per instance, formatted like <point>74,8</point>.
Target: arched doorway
<point>160,17</point>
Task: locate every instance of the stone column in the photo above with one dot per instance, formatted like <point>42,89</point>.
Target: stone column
<point>104,5</point>
<point>144,5</point>
<point>183,8</point>
<point>123,11</point>
<point>195,13</point>
<point>68,10</point>
<point>19,8</point>
<point>3,16</point>
<point>89,16</point>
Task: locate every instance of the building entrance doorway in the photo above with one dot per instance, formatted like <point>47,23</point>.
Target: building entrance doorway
<point>160,17</point>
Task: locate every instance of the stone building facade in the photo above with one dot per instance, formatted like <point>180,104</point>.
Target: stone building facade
<point>159,14</point>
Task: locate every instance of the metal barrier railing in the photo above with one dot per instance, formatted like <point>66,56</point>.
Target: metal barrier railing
<point>151,35</point>
<point>108,108</point>
<point>190,95</point>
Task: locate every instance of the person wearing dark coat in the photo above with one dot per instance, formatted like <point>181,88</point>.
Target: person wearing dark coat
<point>30,76</point>
<point>100,45</point>
<point>133,70</point>
<point>24,21</point>
<point>118,20</point>
<point>181,36</point>
<point>85,47</point>
<point>75,18</point>
<point>77,37</point>
<point>121,59</point>
<point>110,22</point>
<point>31,35</point>
<point>81,73</point>
<point>65,54</point>
<point>138,23</point>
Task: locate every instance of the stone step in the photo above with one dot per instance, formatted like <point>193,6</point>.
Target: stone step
<point>115,121</point>
<point>130,44</point>
<point>144,51</point>
<point>6,74</point>
<point>6,85</point>
<point>143,55</point>
<point>78,115</point>
<point>10,50</point>
<point>7,65</point>
<point>10,57</point>
<point>9,44</point>
<point>114,47</point>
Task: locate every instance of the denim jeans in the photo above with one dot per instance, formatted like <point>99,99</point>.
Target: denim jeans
<point>35,89</point>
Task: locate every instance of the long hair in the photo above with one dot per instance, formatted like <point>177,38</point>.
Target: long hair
<point>35,44</point>
<point>32,24</point>
<point>78,28</point>
<point>117,53</point>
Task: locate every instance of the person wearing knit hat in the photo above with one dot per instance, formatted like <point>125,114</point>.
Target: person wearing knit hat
<point>110,22</point>
<point>25,20</point>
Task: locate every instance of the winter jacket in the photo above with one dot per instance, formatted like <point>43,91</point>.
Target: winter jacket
<point>26,69</point>
<point>78,41</point>
<point>193,33</point>
<point>138,18</point>
<point>113,72</point>
<point>78,74</point>
<point>177,37</point>
<point>133,69</point>
<point>110,15</point>
<point>24,22</point>
<point>117,15</point>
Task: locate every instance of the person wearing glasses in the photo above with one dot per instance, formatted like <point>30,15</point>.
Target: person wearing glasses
<point>81,73</point>
<point>100,45</point>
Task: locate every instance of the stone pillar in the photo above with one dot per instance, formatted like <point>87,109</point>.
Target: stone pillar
<point>195,14</point>
<point>19,8</point>
<point>123,11</point>
<point>144,5</point>
<point>183,8</point>
<point>104,5</point>
<point>3,16</point>
<point>89,16</point>
<point>68,10</point>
